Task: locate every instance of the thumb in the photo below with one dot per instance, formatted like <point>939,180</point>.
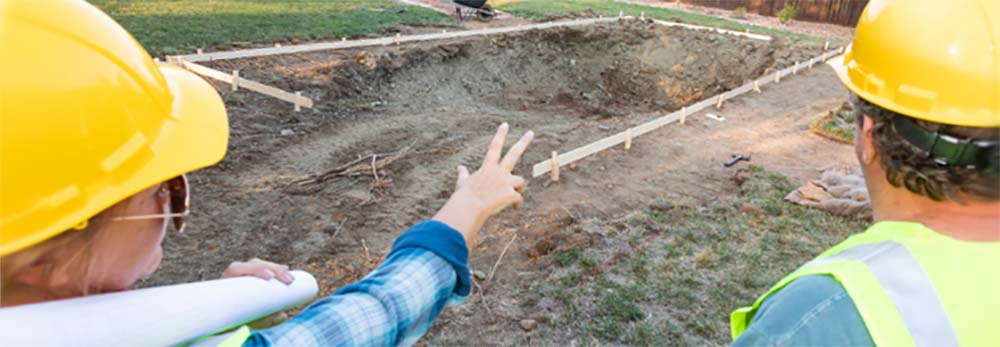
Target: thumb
<point>463,174</point>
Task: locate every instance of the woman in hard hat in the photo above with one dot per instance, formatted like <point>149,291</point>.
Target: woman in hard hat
<point>95,140</point>
<point>926,79</point>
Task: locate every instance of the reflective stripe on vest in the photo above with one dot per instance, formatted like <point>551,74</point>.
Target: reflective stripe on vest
<point>911,285</point>
<point>909,288</point>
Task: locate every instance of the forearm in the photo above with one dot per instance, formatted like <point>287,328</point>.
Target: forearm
<point>465,214</point>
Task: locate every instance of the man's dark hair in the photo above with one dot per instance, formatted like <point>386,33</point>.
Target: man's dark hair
<point>907,165</point>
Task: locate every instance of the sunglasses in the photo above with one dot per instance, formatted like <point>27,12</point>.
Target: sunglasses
<point>180,203</point>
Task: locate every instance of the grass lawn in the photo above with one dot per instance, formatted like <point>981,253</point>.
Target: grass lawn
<point>180,26</point>
<point>670,275</point>
<point>837,125</point>
<point>536,9</point>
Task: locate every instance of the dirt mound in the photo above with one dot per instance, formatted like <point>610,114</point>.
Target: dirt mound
<point>607,70</point>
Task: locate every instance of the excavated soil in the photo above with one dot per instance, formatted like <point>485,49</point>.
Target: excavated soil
<point>423,109</point>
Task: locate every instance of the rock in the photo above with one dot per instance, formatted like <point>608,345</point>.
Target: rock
<point>479,275</point>
<point>528,324</point>
<point>287,132</point>
<point>836,192</point>
<point>603,127</point>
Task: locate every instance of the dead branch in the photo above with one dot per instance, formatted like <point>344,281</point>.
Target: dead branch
<point>368,256</point>
<point>364,166</point>
<point>494,270</point>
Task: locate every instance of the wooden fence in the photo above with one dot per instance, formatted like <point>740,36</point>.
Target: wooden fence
<point>843,12</point>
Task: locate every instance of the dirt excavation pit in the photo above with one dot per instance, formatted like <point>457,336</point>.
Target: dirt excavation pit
<point>396,120</point>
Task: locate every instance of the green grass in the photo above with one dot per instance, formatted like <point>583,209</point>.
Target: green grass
<point>181,26</point>
<point>679,268</point>
<point>837,125</point>
<point>538,9</point>
<point>566,257</point>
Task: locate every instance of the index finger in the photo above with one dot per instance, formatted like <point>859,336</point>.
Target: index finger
<point>514,154</point>
<point>496,145</point>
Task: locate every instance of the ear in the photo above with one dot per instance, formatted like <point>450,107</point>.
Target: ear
<point>35,274</point>
<point>866,140</point>
<point>45,273</point>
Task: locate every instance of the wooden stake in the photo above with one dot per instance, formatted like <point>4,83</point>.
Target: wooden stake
<point>397,38</point>
<point>570,156</point>
<point>245,83</point>
<point>642,15</point>
<point>628,139</point>
<point>236,80</point>
<point>621,13</point>
<point>555,166</point>
<point>297,106</point>
<point>826,45</point>
<point>718,104</point>
<point>342,39</point>
<point>277,45</point>
<point>199,51</point>
<point>684,114</point>
<point>777,77</point>
<point>156,60</point>
<point>795,69</point>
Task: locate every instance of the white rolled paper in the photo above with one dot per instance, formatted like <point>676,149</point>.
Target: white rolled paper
<point>159,316</point>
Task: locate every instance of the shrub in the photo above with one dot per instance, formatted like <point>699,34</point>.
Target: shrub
<point>786,13</point>
<point>739,13</point>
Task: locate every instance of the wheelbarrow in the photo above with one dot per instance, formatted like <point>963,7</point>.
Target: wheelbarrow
<point>478,9</point>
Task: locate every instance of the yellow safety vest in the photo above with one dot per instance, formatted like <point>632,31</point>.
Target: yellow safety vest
<point>237,338</point>
<point>911,285</point>
<point>234,338</point>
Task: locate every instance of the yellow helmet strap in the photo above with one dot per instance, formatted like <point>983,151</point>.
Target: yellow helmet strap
<point>947,150</point>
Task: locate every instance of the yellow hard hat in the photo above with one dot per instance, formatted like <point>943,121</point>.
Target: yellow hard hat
<point>87,119</point>
<point>928,59</point>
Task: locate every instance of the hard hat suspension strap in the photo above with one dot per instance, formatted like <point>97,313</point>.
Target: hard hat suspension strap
<point>983,155</point>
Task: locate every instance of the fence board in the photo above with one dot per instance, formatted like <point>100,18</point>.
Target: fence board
<point>842,12</point>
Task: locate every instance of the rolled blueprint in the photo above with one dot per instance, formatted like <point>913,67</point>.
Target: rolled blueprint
<point>159,316</point>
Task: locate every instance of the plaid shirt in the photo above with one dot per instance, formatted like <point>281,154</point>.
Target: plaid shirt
<point>392,306</point>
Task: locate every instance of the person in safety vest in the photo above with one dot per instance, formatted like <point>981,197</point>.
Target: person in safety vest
<point>926,80</point>
<point>95,141</point>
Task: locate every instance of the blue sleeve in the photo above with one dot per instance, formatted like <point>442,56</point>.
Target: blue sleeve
<point>394,305</point>
<point>814,310</point>
<point>444,241</point>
